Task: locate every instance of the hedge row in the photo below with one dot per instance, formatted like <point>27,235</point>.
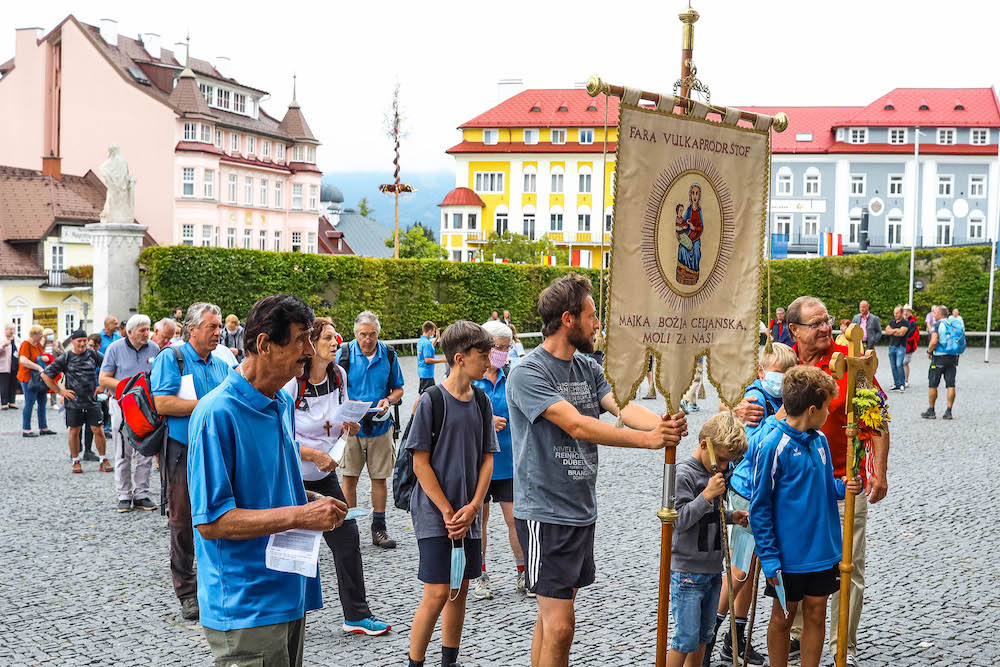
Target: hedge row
<point>407,292</point>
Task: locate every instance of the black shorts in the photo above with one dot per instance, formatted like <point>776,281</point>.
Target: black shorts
<point>814,584</point>
<point>425,384</point>
<point>557,558</point>
<point>435,559</point>
<point>80,416</point>
<point>500,491</point>
<point>942,365</point>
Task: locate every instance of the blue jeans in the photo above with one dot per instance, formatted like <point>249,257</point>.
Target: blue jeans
<point>694,600</point>
<point>896,354</point>
<point>30,398</point>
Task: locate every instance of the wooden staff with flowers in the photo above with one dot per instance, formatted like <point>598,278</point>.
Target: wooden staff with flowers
<point>866,417</point>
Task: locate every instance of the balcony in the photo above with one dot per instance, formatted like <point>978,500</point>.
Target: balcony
<point>61,280</point>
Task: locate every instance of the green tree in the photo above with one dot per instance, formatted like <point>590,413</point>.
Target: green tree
<point>517,248</point>
<point>414,244</point>
<point>364,210</point>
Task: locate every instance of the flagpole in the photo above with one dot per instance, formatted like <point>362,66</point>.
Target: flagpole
<point>916,208</point>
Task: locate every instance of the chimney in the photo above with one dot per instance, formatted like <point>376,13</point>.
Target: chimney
<point>109,31</point>
<point>507,88</point>
<point>151,42</point>
<point>52,166</point>
<point>221,65</point>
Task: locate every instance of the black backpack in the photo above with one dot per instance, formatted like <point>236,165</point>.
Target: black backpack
<point>366,423</point>
<point>403,478</point>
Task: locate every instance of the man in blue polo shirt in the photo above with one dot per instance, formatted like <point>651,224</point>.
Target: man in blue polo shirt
<point>426,358</point>
<point>242,449</point>
<point>373,375</point>
<point>110,333</point>
<point>175,394</point>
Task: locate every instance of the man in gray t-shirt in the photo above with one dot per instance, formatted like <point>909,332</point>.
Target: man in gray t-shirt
<point>555,396</point>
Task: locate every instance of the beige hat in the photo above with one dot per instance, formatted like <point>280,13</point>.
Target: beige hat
<point>908,307</point>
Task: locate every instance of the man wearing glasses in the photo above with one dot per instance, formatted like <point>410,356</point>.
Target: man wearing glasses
<point>812,329</point>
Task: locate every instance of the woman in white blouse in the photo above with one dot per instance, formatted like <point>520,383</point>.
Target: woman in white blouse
<point>318,395</point>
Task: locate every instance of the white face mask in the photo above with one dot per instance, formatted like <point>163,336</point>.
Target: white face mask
<point>772,382</point>
<point>498,358</point>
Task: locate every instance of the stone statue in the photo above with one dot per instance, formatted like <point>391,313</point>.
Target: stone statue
<point>119,205</point>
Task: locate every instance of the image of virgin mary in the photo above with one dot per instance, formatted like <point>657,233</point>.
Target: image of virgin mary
<point>689,228</point>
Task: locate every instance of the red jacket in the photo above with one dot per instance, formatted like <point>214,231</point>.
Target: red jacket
<point>911,342</point>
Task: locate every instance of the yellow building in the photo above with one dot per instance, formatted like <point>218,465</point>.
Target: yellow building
<point>45,252</point>
<point>535,165</point>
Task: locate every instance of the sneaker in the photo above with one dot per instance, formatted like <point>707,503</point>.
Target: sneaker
<point>902,390</point>
<point>947,414</point>
<point>685,408</point>
<point>124,506</point>
<point>793,648</point>
<point>77,468</point>
<point>928,414</point>
<point>894,389</point>
<point>852,661</point>
<point>380,538</point>
<point>89,455</point>
<point>189,609</point>
<point>752,656</point>
<point>29,434</point>
<point>105,466</point>
<point>370,626</point>
<point>521,584</point>
<point>46,431</point>
<point>482,590</point>
<point>906,385</point>
<point>143,504</point>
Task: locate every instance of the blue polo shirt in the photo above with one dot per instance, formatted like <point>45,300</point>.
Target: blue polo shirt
<point>243,455</point>
<point>107,340</point>
<point>425,348</point>
<point>368,381</point>
<point>165,380</point>
<point>503,461</point>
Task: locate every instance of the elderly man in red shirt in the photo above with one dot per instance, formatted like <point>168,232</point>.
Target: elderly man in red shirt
<point>811,327</point>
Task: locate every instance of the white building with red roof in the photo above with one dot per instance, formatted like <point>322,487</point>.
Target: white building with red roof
<point>213,168</point>
<point>535,162</point>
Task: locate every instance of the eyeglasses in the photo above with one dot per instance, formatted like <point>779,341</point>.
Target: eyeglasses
<point>366,336</point>
<point>502,348</point>
<point>816,325</point>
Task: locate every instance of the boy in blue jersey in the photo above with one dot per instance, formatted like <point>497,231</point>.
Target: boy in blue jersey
<point>426,357</point>
<point>766,389</point>
<point>794,514</point>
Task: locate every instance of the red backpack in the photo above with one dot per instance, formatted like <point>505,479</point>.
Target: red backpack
<point>142,425</point>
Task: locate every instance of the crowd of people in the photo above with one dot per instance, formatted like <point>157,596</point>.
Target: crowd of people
<point>254,443</point>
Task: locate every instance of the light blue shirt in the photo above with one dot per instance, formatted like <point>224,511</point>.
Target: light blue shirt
<point>503,461</point>
<point>243,455</point>
<point>425,349</point>
<point>368,380</point>
<point>107,340</point>
<point>165,380</point>
<point>123,361</point>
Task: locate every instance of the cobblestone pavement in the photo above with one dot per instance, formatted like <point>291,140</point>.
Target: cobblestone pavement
<point>83,585</point>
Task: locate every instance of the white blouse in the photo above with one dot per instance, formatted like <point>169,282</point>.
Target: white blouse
<point>314,425</point>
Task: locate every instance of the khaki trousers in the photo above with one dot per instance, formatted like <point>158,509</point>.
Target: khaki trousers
<point>278,645</point>
<point>857,583</point>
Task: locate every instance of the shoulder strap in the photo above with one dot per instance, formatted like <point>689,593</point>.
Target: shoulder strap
<point>179,356</point>
<point>437,413</point>
<point>391,356</point>
<point>345,357</point>
<point>484,407</point>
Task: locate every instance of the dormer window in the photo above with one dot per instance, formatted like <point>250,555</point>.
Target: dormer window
<point>558,136</point>
<point>858,135</point>
<point>239,103</point>
<point>491,137</point>
<point>592,108</point>
<point>531,136</point>
<point>535,107</point>
<point>888,107</point>
<point>298,153</point>
<point>924,107</point>
<point>562,107</point>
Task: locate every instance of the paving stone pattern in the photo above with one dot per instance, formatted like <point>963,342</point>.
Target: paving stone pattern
<point>83,585</point>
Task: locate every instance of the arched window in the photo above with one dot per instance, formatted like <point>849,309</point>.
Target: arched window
<point>528,221</point>
<point>584,176</point>
<point>530,179</point>
<point>944,224</point>
<point>557,179</point>
<point>894,227</point>
<point>783,182</point>
<point>500,216</point>
<point>977,225</point>
<point>854,229</point>
<point>811,182</point>
<point>583,219</point>
<point>556,219</point>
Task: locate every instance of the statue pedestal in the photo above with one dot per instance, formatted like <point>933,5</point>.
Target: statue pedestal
<point>115,253</point>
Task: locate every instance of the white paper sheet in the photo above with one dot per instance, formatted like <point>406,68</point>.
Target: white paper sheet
<point>294,551</point>
<point>352,411</point>
<point>187,388</point>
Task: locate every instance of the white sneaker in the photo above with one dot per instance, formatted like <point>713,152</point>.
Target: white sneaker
<point>852,661</point>
<point>906,384</point>
<point>482,590</point>
<point>521,587</point>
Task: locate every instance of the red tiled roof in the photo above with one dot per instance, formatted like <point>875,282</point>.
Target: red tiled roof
<point>818,121</point>
<point>327,237</point>
<point>304,166</point>
<point>980,109</point>
<point>239,159</point>
<point>462,197</point>
<point>581,110</point>
<point>518,147</point>
<point>187,99</point>
<point>197,147</point>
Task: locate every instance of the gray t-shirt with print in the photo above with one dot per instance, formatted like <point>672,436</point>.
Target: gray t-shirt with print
<point>555,475</point>
<point>455,460</point>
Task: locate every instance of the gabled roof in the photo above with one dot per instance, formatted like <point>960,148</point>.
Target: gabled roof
<point>944,107</point>
<point>462,197</point>
<point>365,236</point>
<point>558,107</point>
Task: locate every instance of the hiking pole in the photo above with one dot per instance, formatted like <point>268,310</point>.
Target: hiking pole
<point>729,564</point>
<point>753,609</point>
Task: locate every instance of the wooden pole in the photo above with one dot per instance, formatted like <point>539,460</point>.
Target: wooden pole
<point>753,609</point>
<point>729,564</point>
<point>667,515</point>
<point>395,251</point>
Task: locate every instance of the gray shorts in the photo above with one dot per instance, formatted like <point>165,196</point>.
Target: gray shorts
<point>279,644</point>
<point>906,358</point>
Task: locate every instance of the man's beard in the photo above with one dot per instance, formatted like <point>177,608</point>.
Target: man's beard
<point>579,341</point>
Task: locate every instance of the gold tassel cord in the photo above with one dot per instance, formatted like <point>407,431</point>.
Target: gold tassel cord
<point>599,343</point>
<point>768,348</point>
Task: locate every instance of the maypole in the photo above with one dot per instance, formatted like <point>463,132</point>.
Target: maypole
<point>396,187</point>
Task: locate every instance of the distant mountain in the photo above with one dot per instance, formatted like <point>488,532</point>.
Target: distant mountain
<point>432,186</point>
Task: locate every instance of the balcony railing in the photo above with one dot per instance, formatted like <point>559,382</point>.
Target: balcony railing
<point>63,279</point>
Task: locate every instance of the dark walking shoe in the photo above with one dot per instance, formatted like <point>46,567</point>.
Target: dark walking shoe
<point>29,434</point>
<point>46,431</point>
<point>143,504</point>
<point>928,414</point>
<point>189,609</point>
<point>124,506</point>
<point>794,649</point>
<point>753,658</point>
<point>380,538</point>
<point>947,414</point>
<point>89,455</point>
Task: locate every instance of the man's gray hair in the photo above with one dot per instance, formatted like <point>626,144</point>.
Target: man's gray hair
<point>367,317</point>
<point>136,321</point>
<point>196,314</point>
<point>498,329</point>
<point>794,311</point>
<point>166,321</point>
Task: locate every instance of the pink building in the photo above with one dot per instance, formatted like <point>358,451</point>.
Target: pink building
<point>213,167</point>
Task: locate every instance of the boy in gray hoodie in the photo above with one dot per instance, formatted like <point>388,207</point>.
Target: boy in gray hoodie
<point>696,564</point>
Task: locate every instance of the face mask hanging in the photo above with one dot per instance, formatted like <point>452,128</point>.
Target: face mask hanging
<point>457,567</point>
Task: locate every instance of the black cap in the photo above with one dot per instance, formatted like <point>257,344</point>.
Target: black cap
<point>79,333</point>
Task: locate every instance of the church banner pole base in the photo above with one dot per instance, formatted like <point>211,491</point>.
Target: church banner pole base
<point>667,516</point>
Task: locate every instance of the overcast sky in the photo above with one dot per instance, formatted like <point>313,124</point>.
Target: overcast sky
<point>448,56</point>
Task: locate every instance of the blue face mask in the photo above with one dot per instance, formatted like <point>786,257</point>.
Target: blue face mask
<point>457,565</point>
<point>772,383</point>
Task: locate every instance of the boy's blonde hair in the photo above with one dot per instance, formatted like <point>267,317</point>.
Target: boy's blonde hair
<point>727,434</point>
<point>804,386</point>
<point>782,357</point>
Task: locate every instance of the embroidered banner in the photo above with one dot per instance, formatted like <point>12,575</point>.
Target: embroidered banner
<point>686,255</point>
